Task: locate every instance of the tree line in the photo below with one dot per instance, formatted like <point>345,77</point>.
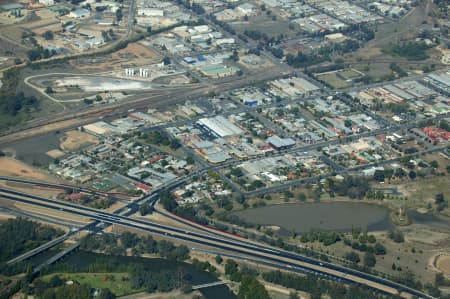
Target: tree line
<point>21,235</point>
<point>319,287</point>
<point>12,103</point>
<point>114,245</point>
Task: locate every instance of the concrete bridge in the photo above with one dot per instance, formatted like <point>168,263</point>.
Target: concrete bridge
<point>211,284</point>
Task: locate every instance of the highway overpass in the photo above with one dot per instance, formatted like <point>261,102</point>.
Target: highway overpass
<point>237,247</point>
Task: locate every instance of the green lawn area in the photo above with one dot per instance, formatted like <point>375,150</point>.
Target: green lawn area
<point>104,185</point>
<point>118,283</point>
<point>350,74</point>
<point>333,80</point>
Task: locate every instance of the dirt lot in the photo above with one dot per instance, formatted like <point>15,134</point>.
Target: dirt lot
<point>55,153</point>
<point>47,128</point>
<point>51,213</point>
<point>5,217</point>
<point>74,140</point>
<point>39,191</point>
<point>265,24</point>
<point>135,54</point>
<point>14,168</point>
<point>422,191</point>
<point>45,18</point>
<point>443,264</point>
<point>7,19</point>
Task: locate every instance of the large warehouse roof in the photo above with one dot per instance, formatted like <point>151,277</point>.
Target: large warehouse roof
<point>220,126</point>
<point>280,142</point>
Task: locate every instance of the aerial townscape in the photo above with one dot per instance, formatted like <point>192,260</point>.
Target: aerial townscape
<point>215,149</point>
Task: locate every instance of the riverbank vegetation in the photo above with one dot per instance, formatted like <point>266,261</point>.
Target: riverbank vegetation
<point>21,235</point>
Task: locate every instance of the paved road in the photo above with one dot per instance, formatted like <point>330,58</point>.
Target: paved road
<point>265,253</point>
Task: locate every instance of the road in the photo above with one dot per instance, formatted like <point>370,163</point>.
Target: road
<point>265,253</point>
<point>130,17</point>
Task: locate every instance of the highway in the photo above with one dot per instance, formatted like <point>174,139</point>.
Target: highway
<point>241,247</point>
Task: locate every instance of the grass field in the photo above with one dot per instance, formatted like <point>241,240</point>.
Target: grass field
<point>333,80</point>
<point>350,74</point>
<point>118,283</point>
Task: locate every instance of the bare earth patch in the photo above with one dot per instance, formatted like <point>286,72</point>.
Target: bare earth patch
<point>55,153</point>
<point>60,125</point>
<point>74,140</point>
<point>423,235</point>
<point>443,264</point>
<point>14,168</point>
<point>31,189</point>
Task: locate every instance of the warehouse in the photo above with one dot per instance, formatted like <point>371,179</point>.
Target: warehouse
<point>218,70</point>
<point>280,143</point>
<point>79,13</point>
<point>220,126</point>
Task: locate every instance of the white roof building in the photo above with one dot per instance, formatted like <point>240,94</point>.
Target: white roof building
<point>150,12</point>
<point>220,126</point>
<point>47,2</point>
<point>79,13</point>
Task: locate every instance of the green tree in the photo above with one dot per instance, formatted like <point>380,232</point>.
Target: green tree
<point>251,288</point>
<point>352,256</point>
<point>379,249</point>
<point>48,35</point>
<point>166,60</point>
<point>48,90</point>
<point>168,201</point>
<point>379,175</point>
<point>190,160</point>
<point>369,259</point>
<point>128,239</point>
<point>219,259</point>
<point>106,294</point>
<point>293,295</point>
<point>145,209</point>
<point>119,14</point>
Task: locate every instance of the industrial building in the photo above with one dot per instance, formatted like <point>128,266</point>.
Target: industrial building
<point>218,70</point>
<point>220,126</point>
<point>279,143</point>
<point>79,13</point>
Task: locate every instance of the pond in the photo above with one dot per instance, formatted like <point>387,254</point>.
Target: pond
<point>335,216</point>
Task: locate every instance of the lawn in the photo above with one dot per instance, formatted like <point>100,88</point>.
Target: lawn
<point>350,74</point>
<point>117,283</point>
<point>332,80</point>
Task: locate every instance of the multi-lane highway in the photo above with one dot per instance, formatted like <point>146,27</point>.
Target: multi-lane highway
<point>233,245</point>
